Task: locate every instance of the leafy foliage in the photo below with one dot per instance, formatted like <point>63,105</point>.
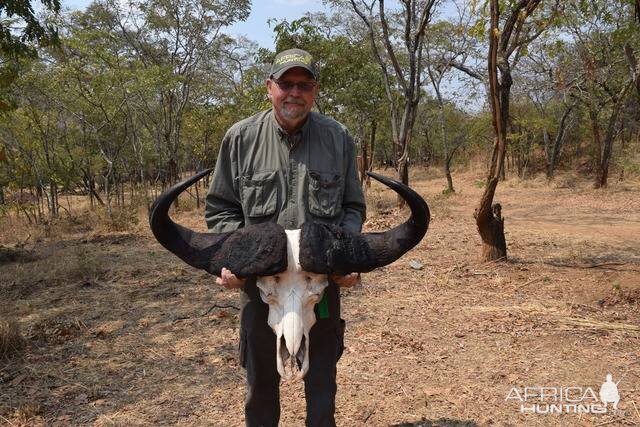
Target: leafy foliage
<point>138,93</point>
<point>19,17</point>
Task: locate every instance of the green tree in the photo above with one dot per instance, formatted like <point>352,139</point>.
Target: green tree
<point>17,16</point>
<point>173,40</point>
<point>604,39</point>
<point>20,30</point>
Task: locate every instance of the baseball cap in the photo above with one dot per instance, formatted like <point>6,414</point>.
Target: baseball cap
<point>291,58</point>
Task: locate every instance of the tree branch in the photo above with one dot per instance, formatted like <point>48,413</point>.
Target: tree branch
<point>468,71</point>
<point>389,47</point>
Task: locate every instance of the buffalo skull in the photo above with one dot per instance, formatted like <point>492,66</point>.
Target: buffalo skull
<point>291,266</point>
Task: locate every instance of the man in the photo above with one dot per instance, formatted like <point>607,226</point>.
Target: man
<point>287,165</point>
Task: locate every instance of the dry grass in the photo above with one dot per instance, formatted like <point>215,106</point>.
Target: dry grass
<point>379,200</point>
<point>119,332</point>
<point>595,325</point>
<point>77,220</point>
<point>27,415</point>
<point>11,341</point>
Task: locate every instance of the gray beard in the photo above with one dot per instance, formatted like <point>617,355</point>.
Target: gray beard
<point>291,115</point>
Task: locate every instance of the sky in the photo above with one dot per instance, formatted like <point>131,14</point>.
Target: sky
<point>255,28</point>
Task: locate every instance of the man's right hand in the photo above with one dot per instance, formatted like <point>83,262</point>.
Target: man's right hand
<point>229,280</point>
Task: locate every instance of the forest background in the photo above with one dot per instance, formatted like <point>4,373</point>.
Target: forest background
<point>123,98</point>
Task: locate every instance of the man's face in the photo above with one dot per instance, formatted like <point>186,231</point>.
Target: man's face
<point>292,104</point>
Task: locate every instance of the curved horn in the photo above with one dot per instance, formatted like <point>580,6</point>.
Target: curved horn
<point>250,251</point>
<point>330,249</point>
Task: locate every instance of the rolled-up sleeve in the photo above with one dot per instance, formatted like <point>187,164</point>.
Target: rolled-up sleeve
<point>353,202</point>
<point>223,209</point>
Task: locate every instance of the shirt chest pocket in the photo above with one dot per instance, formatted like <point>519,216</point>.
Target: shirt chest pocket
<point>259,194</point>
<point>325,194</point>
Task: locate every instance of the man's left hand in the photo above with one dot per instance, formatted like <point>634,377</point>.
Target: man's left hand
<point>346,281</point>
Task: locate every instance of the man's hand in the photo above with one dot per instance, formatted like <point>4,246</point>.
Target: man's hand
<point>346,281</point>
<point>229,280</point>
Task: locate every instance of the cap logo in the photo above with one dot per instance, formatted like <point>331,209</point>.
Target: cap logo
<point>293,57</point>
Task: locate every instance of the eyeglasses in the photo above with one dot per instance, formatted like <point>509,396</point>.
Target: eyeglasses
<point>302,86</point>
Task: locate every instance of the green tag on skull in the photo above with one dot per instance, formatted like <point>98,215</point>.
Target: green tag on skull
<point>323,307</point>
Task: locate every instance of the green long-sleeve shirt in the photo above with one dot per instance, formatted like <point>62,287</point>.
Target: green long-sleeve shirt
<point>264,175</point>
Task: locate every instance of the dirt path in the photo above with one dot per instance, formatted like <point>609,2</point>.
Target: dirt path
<point>121,333</point>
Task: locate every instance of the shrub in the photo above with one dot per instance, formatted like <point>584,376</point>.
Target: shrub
<point>123,219</point>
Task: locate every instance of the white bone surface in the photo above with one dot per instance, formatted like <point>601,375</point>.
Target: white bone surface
<point>291,296</point>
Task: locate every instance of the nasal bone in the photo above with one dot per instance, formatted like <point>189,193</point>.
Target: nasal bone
<point>293,326</point>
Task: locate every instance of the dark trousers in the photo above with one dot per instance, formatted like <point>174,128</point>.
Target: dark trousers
<point>258,357</point>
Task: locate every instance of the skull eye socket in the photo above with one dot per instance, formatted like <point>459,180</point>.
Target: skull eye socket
<point>268,294</point>
<point>314,297</point>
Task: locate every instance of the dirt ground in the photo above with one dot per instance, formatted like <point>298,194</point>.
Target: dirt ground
<point>120,333</point>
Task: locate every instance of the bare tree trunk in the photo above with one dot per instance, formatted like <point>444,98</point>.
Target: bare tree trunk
<point>107,194</point>
<point>546,139</point>
<point>362,164</point>
<point>459,141</point>
<point>435,82</point>
<point>39,201</point>
<point>447,173</point>
<point>445,144</point>
<point>597,142</point>
<point>429,145</point>
<point>603,167</point>
<point>197,198</point>
<point>145,184</point>
<point>116,188</point>
<point>136,189</point>
<point>403,171</point>
<point>607,146</point>
<point>366,164</point>
<point>372,147</point>
<point>44,198</point>
<point>53,194</point>
<point>554,152</point>
<point>491,225</point>
<point>623,145</point>
<point>91,187</point>
<point>488,215</point>
<point>634,65</point>
<point>88,184</point>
